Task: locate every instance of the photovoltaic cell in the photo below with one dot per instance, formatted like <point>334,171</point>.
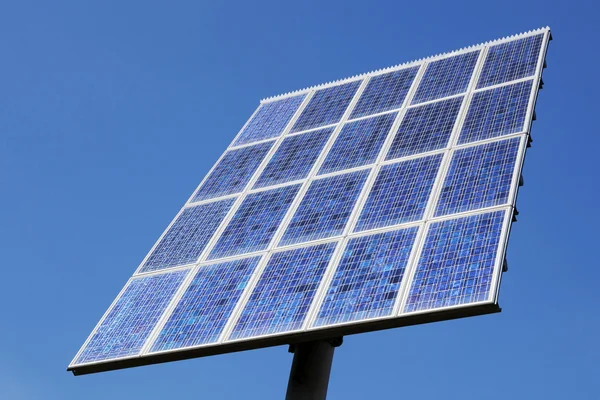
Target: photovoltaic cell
<point>325,208</point>
<point>270,120</point>
<point>188,236</point>
<point>510,61</point>
<point>457,262</point>
<point>425,128</point>
<point>385,92</point>
<point>368,278</point>
<point>326,106</point>
<point>255,222</point>
<point>294,158</point>
<point>125,329</point>
<point>446,77</point>
<point>496,112</point>
<point>284,292</point>
<point>358,143</point>
<point>400,193</point>
<point>479,177</point>
<point>233,172</point>
<point>206,305</point>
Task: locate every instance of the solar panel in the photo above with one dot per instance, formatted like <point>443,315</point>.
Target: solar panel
<point>479,177</point>
<point>446,77</point>
<point>326,106</point>
<point>511,60</point>
<point>255,222</point>
<point>325,208</point>
<point>188,236</point>
<point>200,315</point>
<point>282,297</point>
<point>457,262</point>
<point>400,193</point>
<point>497,112</point>
<point>125,329</point>
<point>270,120</point>
<point>378,201</point>
<point>294,158</point>
<point>233,172</point>
<point>385,92</point>
<point>367,280</point>
<point>425,128</point>
<point>358,143</point>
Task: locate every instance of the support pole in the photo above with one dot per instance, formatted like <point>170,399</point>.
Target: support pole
<point>309,376</point>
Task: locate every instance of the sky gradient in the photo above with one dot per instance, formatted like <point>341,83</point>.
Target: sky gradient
<point>112,112</point>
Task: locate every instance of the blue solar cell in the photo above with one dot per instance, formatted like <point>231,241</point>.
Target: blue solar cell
<point>255,222</point>
<point>294,158</point>
<point>188,236</point>
<point>385,92</point>
<point>510,61</point>
<point>270,120</point>
<point>368,278</point>
<point>425,128</point>
<point>326,106</point>
<point>457,262</point>
<point>206,305</point>
<point>325,208</point>
<point>128,324</point>
<point>358,143</point>
<point>479,177</point>
<point>400,193</point>
<point>496,112</point>
<point>446,77</point>
<point>233,172</point>
<point>284,292</point>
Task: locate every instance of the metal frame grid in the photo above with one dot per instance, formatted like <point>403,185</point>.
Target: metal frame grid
<point>398,317</point>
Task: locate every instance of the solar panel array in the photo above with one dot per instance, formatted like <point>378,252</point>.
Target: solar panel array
<point>375,198</point>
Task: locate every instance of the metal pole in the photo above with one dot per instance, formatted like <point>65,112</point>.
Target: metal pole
<point>309,376</point>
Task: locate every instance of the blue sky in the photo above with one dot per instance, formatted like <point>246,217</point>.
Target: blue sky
<point>111,113</point>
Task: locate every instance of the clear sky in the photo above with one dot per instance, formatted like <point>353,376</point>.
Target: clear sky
<point>112,111</point>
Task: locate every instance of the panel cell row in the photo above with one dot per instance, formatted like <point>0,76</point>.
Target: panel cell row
<point>448,76</point>
<point>491,113</point>
<point>478,177</point>
<point>366,284</point>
